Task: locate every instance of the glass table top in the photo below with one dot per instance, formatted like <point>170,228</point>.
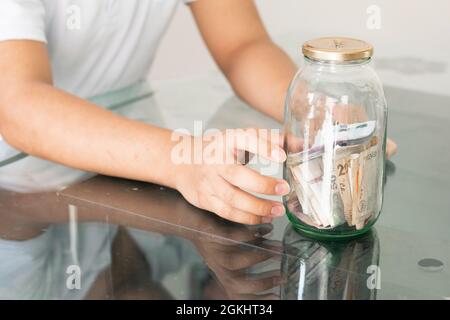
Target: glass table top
<point>99,237</point>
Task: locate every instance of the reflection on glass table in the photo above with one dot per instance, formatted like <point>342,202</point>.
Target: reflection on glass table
<point>135,240</point>
<point>54,246</point>
<point>324,270</point>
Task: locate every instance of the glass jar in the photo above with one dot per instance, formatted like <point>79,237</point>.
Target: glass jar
<point>335,140</point>
<point>330,270</point>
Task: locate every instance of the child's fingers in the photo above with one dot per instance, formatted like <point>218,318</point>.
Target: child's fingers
<point>245,201</point>
<point>251,180</point>
<point>258,141</point>
<point>391,148</point>
<point>294,144</point>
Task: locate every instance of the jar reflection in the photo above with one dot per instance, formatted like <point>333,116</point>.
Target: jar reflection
<point>329,270</point>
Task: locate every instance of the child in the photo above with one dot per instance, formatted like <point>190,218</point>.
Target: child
<point>52,53</point>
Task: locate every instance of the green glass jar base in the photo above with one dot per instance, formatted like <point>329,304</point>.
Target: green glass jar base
<point>328,234</point>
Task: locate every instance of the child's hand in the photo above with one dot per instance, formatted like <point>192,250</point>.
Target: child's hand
<point>220,183</point>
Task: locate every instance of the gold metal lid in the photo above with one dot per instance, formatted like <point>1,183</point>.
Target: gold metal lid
<point>337,49</point>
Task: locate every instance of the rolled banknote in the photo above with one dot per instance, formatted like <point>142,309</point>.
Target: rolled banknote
<point>302,210</point>
<point>337,204</point>
<point>367,197</point>
<point>343,183</point>
<point>355,173</point>
<point>308,179</point>
<point>309,187</point>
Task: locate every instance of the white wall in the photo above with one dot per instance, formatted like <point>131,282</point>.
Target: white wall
<point>412,48</point>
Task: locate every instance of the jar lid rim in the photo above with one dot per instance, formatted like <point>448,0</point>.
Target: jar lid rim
<point>337,49</point>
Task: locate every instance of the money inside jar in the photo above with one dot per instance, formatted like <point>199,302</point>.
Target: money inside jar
<point>337,184</point>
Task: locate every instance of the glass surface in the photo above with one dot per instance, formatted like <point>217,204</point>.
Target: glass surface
<point>335,139</point>
<point>128,239</point>
<point>337,270</point>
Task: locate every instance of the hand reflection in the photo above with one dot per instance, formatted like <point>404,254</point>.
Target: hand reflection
<point>236,254</point>
<point>233,264</point>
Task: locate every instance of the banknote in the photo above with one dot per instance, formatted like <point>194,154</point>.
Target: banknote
<point>348,194</point>
<point>345,135</point>
<point>355,184</point>
<point>367,197</point>
<point>312,194</point>
<point>308,184</point>
<point>343,184</point>
<point>336,204</point>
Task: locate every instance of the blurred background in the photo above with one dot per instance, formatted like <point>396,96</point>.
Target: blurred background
<point>411,38</point>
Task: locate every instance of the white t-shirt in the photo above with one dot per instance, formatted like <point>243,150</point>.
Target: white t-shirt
<point>95,47</point>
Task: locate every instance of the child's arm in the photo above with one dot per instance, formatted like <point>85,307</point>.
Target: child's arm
<point>41,120</point>
<point>258,70</point>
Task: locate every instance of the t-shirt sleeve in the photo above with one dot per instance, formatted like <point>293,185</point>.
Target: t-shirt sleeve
<point>22,20</point>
